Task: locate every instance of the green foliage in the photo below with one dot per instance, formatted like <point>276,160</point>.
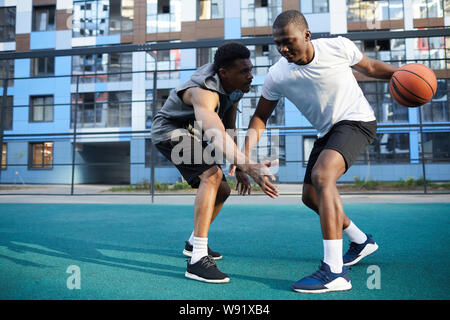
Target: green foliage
<point>232,184</point>
<point>180,186</point>
<point>145,186</point>
<point>409,183</point>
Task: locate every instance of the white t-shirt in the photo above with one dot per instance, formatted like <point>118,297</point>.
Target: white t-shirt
<point>325,91</point>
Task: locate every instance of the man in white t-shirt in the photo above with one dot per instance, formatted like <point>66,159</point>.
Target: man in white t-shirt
<point>316,75</point>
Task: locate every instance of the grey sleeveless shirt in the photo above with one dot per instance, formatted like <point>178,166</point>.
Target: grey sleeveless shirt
<point>176,115</point>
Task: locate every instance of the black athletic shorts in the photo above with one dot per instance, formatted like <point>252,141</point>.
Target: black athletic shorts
<point>349,138</point>
<point>193,169</point>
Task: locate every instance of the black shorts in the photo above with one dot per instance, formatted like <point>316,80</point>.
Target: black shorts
<point>195,165</point>
<point>349,138</point>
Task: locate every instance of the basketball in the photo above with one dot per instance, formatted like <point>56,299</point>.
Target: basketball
<point>413,85</point>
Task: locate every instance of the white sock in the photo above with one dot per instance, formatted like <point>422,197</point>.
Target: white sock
<point>200,249</point>
<point>333,254</point>
<point>354,234</point>
<point>191,238</point>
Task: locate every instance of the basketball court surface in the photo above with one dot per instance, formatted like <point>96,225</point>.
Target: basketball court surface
<point>130,249</point>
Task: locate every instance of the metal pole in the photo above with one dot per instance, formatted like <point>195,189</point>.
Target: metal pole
<point>75,124</point>
<point>422,154</point>
<point>153,148</point>
<point>2,117</point>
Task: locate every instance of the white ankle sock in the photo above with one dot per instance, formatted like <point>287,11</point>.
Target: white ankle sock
<point>200,249</point>
<point>333,254</point>
<point>191,238</point>
<point>354,234</point>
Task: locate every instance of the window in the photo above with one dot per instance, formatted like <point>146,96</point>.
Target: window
<point>389,148</point>
<point>168,64</point>
<point>259,13</point>
<point>102,109</point>
<point>4,155</point>
<point>7,71</point>
<point>424,9</point>
<point>41,155</point>
<point>7,24</point>
<point>43,18</point>
<point>8,122</point>
<point>263,57</point>
<point>90,68</point>
<point>119,66</point>
<point>163,16</point>
<point>160,160</point>
<point>430,51</point>
<point>248,107</point>
<point>392,51</point>
<point>161,97</point>
<point>314,6</point>
<point>438,109</point>
<point>378,10</point>
<point>41,109</point>
<point>43,66</point>
<point>102,17</point>
<point>127,16</point>
<point>121,16</point>
<point>436,146</point>
<point>210,9</point>
<point>205,55</point>
<point>102,67</point>
<point>272,146</point>
<point>385,108</point>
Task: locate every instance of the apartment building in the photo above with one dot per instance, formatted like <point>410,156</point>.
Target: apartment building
<point>87,117</point>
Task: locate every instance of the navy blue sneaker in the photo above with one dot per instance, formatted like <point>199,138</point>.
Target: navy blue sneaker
<point>323,280</point>
<point>358,251</point>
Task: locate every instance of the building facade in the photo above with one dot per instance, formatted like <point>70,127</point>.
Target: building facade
<point>106,98</point>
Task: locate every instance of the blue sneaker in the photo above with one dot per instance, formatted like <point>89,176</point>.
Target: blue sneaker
<point>358,251</point>
<point>323,280</point>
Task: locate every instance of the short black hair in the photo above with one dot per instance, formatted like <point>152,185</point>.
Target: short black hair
<point>227,53</point>
<point>290,16</point>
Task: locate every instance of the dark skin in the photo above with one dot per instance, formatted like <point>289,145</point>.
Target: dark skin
<point>322,196</point>
<point>212,191</point>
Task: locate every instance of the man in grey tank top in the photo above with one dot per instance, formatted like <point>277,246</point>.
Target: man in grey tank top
<point>189,130</point>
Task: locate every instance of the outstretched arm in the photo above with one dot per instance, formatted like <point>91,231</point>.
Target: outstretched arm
<point>204,103</point>
<point>243,185</point>
<point>375,68</point>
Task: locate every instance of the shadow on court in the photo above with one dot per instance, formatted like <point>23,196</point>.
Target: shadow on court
<point>134,251</point>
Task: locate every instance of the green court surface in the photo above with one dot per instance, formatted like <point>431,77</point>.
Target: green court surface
<point>135,251</point>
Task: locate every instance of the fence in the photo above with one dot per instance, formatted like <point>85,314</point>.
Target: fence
<point>100,123</point>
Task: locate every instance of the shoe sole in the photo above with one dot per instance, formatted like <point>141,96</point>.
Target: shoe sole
<point>368,250</point>
<point>195,277</point>
<point>337,285</point>
<point>189,254</point>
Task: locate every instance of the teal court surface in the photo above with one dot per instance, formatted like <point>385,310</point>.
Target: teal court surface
<point>134,251</point>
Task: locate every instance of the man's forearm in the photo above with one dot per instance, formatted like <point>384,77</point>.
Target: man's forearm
<point>254,133</point>
<point>382,70</point>
<point>215,132</point>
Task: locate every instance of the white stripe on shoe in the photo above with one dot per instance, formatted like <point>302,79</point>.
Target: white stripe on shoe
<point>195,277</point>
<point>339,284</point>
<point>368,250</point>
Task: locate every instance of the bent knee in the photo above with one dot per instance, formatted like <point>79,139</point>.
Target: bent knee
<point>223,192</point>
<point>321,177</point>
<point>212,176</point>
